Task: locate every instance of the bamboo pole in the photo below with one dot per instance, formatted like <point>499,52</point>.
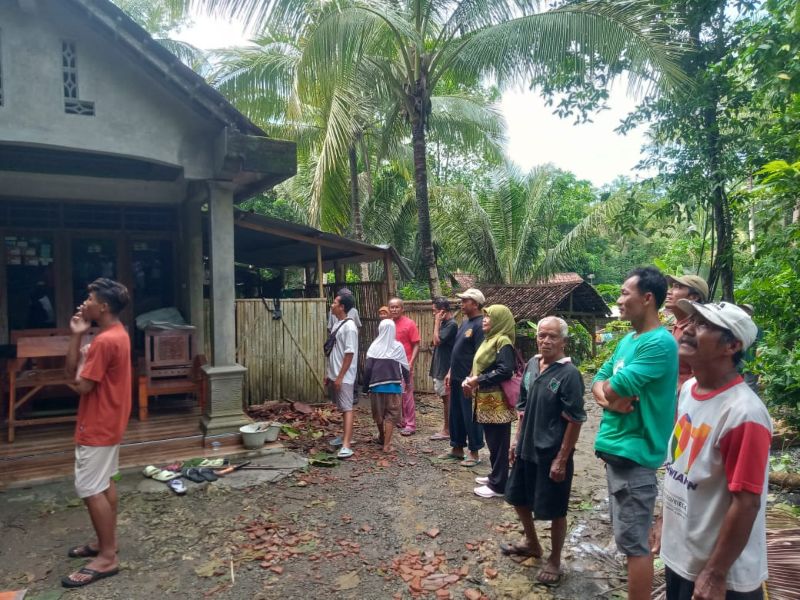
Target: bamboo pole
<point>319,272</point>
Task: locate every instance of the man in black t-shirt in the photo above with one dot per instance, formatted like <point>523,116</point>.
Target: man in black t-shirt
<point>444,335</point>
<point>551,413</point>
<point>463,430</point>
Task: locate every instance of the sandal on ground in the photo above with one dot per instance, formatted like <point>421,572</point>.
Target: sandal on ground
<point>215,463</point>
<point>165,476</point>
<point>150,471</point>
<point>548,577</point>
<point>406,432</point>
<point>177,486</point>
<point>176,466</point>
<point>470,462</point>
<point>192,474</point>
<point>516,550</point>
<point>344,453</point>
<point>68,582</point>
<point>439,436</point>
<point>85,551</point>
<point>207,474</point>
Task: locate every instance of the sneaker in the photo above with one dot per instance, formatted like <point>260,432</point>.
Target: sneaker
<point>344,453</point>
<point>337,441</point>
<point>481,480</point>
<point>485,491</point>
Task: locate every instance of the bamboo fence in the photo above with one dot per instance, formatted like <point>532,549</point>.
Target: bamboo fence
<point>284,357</point>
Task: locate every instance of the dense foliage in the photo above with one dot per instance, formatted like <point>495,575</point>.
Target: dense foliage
<point>723,141</point>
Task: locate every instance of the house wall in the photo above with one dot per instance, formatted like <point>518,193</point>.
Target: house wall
<point>134,115</point>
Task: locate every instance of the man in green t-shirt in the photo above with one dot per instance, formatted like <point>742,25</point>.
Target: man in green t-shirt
<point>636,388</point>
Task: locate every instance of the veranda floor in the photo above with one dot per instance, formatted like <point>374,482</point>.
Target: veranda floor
<point>46,453</point>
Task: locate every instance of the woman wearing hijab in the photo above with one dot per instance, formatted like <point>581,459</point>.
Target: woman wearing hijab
<point>494,362</point>
<point>385,369</point>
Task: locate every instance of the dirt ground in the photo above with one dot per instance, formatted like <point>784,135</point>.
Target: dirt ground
<point>371,528</point>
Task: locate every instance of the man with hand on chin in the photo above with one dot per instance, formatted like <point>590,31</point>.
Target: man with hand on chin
<point>104,383</point>
<point>715,488</point>
<point>636,388</point>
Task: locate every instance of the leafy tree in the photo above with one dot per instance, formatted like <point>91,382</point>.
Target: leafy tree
<point>408,48</point>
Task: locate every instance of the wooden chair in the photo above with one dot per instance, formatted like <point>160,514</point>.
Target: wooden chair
<point>39,364</point>
<point>170,366</point>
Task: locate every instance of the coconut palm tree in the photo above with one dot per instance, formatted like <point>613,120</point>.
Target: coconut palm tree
<point>341,131</point>
<point>413,45</point>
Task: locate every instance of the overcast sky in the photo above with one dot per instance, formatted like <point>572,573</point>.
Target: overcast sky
<point>592,151</point>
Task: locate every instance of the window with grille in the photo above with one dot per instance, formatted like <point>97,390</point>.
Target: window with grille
<point>73,105</point>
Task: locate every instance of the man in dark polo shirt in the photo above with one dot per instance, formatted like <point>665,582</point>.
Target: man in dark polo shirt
<point>551,414</point>
<point>463,429</point>
<point>444,336</point>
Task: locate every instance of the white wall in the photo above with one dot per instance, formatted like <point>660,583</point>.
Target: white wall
<point>134,115</point>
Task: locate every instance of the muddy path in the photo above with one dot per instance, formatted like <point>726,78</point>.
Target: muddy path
<point>374,527</point>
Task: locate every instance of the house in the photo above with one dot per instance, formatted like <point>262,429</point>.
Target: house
<point>565,295</point>
<point>110,151</point>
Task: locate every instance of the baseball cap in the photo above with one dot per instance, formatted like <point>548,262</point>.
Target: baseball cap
<point>473,294</point>
<point>692,281</point>
<point>725,315</point>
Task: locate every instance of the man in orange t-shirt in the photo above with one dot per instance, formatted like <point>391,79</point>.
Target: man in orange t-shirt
<point>103,379</point>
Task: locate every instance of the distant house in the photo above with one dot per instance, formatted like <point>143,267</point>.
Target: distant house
<point>565,295</point>
<point>109,149</point>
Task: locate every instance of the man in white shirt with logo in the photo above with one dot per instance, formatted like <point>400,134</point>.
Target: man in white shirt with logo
<point>715,486</point>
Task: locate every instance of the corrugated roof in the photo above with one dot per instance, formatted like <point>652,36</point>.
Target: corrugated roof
<point>534,301</point>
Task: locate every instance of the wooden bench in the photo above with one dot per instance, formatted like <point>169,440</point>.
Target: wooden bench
<point>170,366</point>
<point>41,355</point>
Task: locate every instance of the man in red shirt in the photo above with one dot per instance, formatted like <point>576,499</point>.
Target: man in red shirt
<point>691,287</point>
<point>103,379</point>
<point>407,334</point>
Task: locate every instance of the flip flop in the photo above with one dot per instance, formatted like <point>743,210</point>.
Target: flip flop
<point>93,576</point>
<point>516,550</point>
<point>176,466</point>
<point>449,457</point>
<point>439,436</point>
<point>164,476</point>
<point>192,474</point>
<point>215,463</point>
<point>470,462</point>
<point>177,486</point>
<point>207,474</point>
<point>552,583</point>
<point>85,551</point>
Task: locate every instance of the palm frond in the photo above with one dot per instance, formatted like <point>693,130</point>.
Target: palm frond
<point>620,34</point>
<point>595,224</point>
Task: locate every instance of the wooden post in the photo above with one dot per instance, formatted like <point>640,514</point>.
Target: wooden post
<point>388,276</point>
<point>593,325</point>
<point>319,272</point>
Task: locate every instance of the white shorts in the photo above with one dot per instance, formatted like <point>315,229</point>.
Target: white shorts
<point>439,388</point>
<point>94,468</point>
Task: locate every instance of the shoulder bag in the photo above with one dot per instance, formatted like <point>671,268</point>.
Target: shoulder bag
<point>327,347</point>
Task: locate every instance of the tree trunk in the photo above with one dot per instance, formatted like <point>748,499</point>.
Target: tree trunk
<point>423,209</point>
<point>355,205</point>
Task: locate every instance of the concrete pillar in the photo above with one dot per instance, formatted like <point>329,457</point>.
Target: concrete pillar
<point>193,251</point>
<point>224,403</point>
